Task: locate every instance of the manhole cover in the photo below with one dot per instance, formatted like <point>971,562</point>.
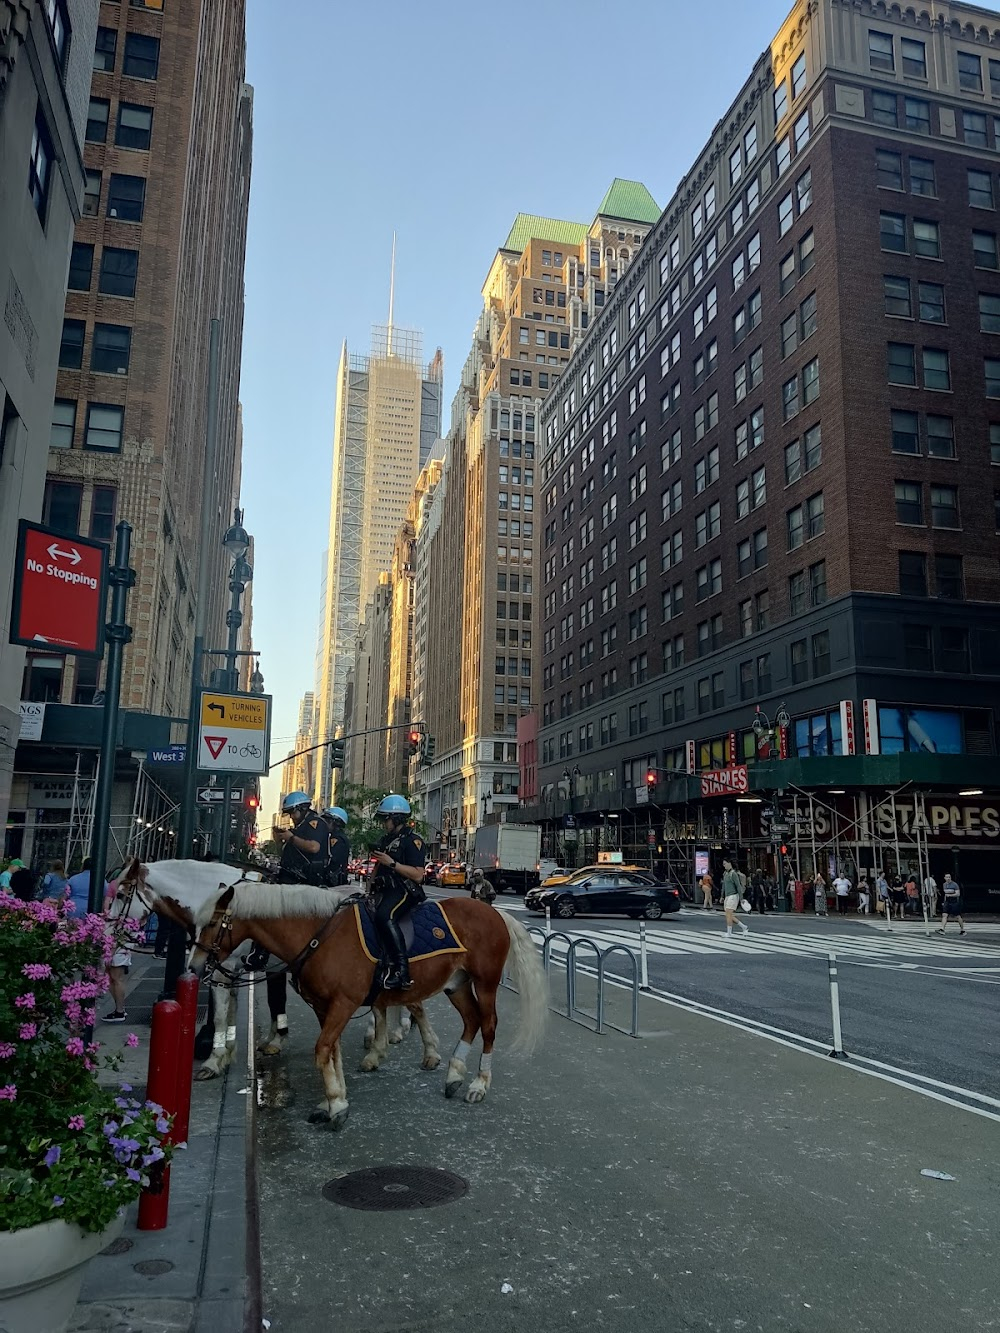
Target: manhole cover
<point>153,1267</point>
<point>388,1188</point>
<point>120,1246</point>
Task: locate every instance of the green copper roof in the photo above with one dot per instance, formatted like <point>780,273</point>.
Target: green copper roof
<point>529,227</point>
<point>630,201</point>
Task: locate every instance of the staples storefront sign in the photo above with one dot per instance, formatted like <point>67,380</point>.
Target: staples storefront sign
<point>732,781</point>
<point>936,819</point>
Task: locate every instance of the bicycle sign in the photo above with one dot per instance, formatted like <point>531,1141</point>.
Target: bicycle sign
<point>234,732</point>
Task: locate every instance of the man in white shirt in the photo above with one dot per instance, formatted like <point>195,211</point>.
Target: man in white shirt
<point>842,888</point>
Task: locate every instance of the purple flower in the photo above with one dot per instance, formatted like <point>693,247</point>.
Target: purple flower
<point>53,1155</point>
<point>133,1174</point>
<point>27,1030</point>
<point>25,1001</point>
<point>126,1087</point>
<point>36,971</point>
<point>74,1046</point>
<point>110,1128</point>
<point>156,1155</point>
<point>58,1201</point>
<point>8,1093</point>
<point>162,1125</point>
<point>6,1050</point>
<point>132,1041</point>
<point>77,1122</point>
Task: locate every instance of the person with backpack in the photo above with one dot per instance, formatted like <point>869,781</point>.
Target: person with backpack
<point>55,883</point>
<point>734,884</point>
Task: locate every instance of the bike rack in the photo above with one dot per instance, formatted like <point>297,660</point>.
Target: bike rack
<point>601,970</point>
<point>583,941</point>
<point>598,1018</point>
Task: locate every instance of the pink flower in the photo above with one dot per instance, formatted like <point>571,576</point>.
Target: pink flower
<point>25,1001</point>
<point>27,1030</point>
<point>9,1093</point>
<point>36,971</point>
<point>74,1046</point>
<point>90,1017</point>
<point>7,1049</point>
<point>77,1122</point>
<point>132,1040</point>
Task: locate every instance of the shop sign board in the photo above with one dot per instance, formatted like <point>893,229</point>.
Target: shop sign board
<point>32,721</point>
<point>731,781</point>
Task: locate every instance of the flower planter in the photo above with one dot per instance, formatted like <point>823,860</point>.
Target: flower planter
<point>41,1272</point>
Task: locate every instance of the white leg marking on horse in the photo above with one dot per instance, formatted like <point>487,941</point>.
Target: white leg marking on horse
<point>432,1056</point>
<point>380,1046</point>
<point>479,1086</point>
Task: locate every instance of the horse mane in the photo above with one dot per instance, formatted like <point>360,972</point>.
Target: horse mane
<point>267,902</point>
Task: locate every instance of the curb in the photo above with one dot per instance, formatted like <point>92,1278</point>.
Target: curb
<point>253,1310</point>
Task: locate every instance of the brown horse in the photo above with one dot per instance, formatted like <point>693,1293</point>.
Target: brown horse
<point>299,925</point>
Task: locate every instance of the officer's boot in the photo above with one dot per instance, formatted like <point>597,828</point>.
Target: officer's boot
<point>398,974</point>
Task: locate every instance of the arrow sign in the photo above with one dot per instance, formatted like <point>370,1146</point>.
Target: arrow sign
<point>217,708</point>
<point>213,795</point>
<point>215,745</point>
<point>73,556</point>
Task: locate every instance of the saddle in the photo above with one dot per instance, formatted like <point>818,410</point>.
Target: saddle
<point>426,932</point>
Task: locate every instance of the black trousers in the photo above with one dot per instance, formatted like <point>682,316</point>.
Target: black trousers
<point>391,905</point>
<point>176,953</point>
<point>277,993</point>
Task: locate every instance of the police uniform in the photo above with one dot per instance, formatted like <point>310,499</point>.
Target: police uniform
<point>394,895</point>
<point>340,855</point>
<point>309,867</point>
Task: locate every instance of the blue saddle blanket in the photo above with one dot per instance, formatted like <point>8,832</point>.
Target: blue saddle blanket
<point>426,930</point>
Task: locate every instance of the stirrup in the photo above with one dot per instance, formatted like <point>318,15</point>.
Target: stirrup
<point>395,979</point>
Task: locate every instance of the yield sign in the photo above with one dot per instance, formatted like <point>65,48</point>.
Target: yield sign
<point>215,744</point>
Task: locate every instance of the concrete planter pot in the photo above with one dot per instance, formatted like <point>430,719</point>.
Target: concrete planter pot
<point>41,1272</point>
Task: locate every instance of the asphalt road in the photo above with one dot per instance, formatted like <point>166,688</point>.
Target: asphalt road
<point>927,1005</point>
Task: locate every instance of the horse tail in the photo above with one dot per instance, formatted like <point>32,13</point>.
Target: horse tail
<point>532,985</point>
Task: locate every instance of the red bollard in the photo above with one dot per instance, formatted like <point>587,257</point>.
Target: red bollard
<point>161,1087</point>
<point>187,996</point>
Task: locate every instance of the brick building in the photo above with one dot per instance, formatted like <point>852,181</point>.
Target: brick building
<point>782,438</point>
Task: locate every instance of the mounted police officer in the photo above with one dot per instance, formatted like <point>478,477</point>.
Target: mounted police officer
<point>397,885</point>
<point>335,819</point>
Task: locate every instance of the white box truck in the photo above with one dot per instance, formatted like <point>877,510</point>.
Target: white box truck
<point>508,855</point>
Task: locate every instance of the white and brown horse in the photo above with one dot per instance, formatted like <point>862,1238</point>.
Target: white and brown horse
<point>334,974</point>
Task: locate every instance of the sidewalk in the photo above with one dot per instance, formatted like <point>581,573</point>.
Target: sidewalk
<point>190,1277</point>
<point>697,1179</point>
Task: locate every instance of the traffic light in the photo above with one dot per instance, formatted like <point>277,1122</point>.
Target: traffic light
<point>336,754</point>
<point>784,850</point>
<point>427,750</point>
<point>651,778</point>
<point>414,739</point>
<point>252,802</point>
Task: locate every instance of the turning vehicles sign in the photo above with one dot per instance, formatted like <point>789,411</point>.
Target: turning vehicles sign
<point>60,592</point>
<point>234,732</point>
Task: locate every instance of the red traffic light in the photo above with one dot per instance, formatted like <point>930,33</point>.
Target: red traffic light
<point>651,778</point>
<point>414,737</point>
<point>784,850</point>
<point>252,802</point>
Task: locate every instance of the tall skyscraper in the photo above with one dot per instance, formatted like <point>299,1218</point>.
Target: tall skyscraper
<point>546,284</point>
<point>388,414</point>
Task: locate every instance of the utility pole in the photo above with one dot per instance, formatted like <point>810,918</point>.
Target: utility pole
<point>121,577</point>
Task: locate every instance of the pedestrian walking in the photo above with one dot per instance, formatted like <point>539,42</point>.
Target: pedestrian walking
<point>733,888</point>
<point>707,886</point>
<point>912,895</point>
<point>864,897</point>
<point>758,894</point>
<point>884,897</point>
<point>842,888</point>
<point>121,959</point>
<point>951,907</point>
<point>819,894</point>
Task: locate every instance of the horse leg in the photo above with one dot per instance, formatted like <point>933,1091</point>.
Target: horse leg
<point>400,1024</point>
<point>487,998</point>
<point>277,992</point>
<point>432,1056</point>
<point>370,1029</point>
<point>462,997</point>
<point>379,1048</point>
<point>334,1107</point>
<point>224,1016</point>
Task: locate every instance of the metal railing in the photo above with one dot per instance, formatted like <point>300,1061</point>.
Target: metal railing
<point>574,1010</point>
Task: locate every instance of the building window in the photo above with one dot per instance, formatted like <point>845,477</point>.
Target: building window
<point>799,661</point>
<point>63,423</point>
<point>142,56</point>
<point>912,574</point>
<point>888,169</point>
<point>914,58</point>
<point>81,267</point>
<point>948,580</point>
<point>816,521</point>
<point>111,349</point>
<point>92,194</point>
<point>104,427</point>
<point>974,127</point>
<point>930,299</point>
<point>892,232</point>
<point>992,365</point>
<point>905,433</point>
<point>885,109</point>
<point>135,126</point>
<point>42,679</point>
<point>940,437</point>
<point>980,189</point>
<point>118,272</point>
<point>780,101</point>
<point>944,507</point>
<point>71,344</point>
<point>954,649</point>
<point>821,653</point>
<point>926,239</point>
<point>909,502</point>
<point>922,178</point>
<point>61,507</point>
<point>104,49</point>
<point>917,115</point>
<point>790,398</point>
<point>708,580</point>
<point>40,166</point>
<point>896,293</point>
<point>102,513</point>
<point>880,52</point>
<point>126,198</point>
<point>902,364</point>
<point>984,249</point>
<point>937,371</point>
<point>784,215</point>
<point>97,120</point>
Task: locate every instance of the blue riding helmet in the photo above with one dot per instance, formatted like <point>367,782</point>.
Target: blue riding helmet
<point>337,812</point>
<point>293,801</point>
<point>393,805</point>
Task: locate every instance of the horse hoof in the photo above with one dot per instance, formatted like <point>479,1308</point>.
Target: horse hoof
<point>395,1037</point>
<point>475,1095</point>
<point>320,1116</point>
<point>204,1074</point>
<point>369,1065</point>
<point>430,1062</point>
<point>450,1089</point>
<point>369,1040</point>
<point>339,1120</point>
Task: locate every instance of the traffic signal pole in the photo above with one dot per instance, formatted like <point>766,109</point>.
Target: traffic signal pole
<point>429,741</point>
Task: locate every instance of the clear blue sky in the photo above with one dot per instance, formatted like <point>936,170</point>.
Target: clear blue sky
<point>442,121</point>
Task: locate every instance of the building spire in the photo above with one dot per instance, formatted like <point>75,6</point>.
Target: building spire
<point>392,292</point>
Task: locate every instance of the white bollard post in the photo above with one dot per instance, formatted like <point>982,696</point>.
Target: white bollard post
<point>643,968</point>
<point>838,1052</point>
<point>548,922</point>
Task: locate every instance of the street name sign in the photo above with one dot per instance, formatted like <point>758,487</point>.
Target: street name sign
<point>214,795</point>
<point>168,754</point>
<point>732,781</point>
<point>60,592</point>
<point>234,732</point>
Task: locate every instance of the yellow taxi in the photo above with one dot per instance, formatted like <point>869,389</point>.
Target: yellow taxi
<point>452,877</point>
